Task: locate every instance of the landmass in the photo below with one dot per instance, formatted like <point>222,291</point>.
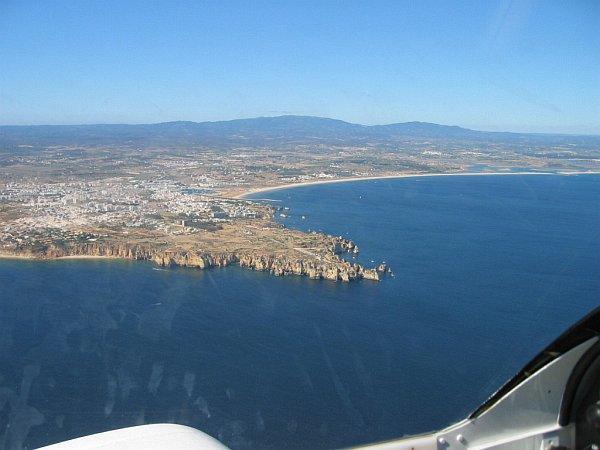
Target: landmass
<point>174,193</point>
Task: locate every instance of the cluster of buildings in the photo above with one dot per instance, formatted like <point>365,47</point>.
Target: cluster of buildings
<point>43,212</point>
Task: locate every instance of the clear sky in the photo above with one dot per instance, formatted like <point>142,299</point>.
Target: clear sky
<point>486,64</point>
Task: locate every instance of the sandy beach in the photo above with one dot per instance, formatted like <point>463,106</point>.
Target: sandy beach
<point>30,257</point>
<point>402,175</point>
<point>9,256</point>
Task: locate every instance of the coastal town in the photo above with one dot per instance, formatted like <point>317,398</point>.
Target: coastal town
<point>184,205</point>
<point>171,212</point>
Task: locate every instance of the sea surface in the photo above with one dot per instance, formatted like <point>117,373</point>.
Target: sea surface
<point>487,271</point>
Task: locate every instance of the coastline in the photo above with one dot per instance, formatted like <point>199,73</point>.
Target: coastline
<point>36,258</point>
<point>329,266</point>
<point>258,190</point>
<point>338,270</point>
<point>88,257</point>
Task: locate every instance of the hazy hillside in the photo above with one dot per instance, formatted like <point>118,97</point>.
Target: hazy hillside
<point>265,131</point>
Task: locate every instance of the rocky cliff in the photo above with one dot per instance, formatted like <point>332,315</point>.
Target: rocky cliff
<point>331,268</point>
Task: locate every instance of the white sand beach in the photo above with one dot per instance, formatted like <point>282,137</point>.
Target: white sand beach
<point>401,175</point>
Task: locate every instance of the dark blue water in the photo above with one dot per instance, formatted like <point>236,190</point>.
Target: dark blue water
<point>488,270</point>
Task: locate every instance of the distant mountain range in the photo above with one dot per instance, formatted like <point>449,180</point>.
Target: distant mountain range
<point>265,131</point>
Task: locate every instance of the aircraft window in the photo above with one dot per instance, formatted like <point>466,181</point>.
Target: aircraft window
<point>586,409</point>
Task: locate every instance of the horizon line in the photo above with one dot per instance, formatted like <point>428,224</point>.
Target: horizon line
<point>91,124</point>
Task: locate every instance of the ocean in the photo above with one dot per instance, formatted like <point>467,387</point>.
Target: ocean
<point>487,270</point>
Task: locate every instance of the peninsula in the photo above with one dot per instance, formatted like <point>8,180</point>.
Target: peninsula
<point>174,193</point>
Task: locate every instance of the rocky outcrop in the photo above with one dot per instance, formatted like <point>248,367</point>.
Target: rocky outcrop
<point>341,245</point>
<point>336,270</point>
<point>170,258</point>
<point>333,268</point>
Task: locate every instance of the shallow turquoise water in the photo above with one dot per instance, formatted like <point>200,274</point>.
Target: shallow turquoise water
<point>488,270</point>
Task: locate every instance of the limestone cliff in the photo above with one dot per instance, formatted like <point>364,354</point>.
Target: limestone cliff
<point>331,268</point>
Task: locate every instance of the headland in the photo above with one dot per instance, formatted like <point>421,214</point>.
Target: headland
<point>90,192</point>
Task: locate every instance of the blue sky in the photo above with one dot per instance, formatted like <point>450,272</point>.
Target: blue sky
<point>494,64</point>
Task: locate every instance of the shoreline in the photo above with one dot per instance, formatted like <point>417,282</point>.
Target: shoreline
<point>258,190</point>
<point>329,266</point>
<point>35,258</point>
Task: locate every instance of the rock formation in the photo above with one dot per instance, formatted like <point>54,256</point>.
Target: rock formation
<point>331,268</point>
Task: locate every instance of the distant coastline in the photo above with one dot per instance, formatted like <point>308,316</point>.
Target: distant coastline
<point>258,190</point>
<point>327,265</point>
<point>36,258</point>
